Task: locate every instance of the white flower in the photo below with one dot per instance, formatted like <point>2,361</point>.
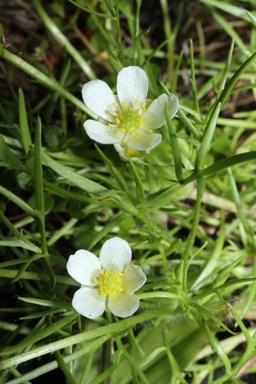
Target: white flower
<point>108,282</point>
<point>128,118</point>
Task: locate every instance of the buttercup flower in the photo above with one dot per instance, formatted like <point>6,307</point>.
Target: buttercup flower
<point>108,282</point>
<point>128,118</point>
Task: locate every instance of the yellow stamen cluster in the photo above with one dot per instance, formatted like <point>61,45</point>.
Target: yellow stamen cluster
<point>132,152</point>
<point>110,283</point>
<point>128,118</point>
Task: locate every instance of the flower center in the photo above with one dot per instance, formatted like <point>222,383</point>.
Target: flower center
<point>129,118</point>
<point>110,283</point>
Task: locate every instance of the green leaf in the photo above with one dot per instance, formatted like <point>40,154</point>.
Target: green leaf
<point>164,197</point>
<point>24,128</point>
<point>226,25</point>
<point>207,137</point>
<point>20,239</point>
<point>38,175</point>
<point>119,327</point>
<point>44,303</point>
<point>251,17</point>
<point>217,347</point>
<point>18,201</point>
<point>229,8</point>
<point>224,164</point>
<point>9,157</point>
<point>174,144</point>
<point>73,178</point>
<point>40,335</point>
<point>187,123</point>
<point>20,243</point>
<point>139,185</point>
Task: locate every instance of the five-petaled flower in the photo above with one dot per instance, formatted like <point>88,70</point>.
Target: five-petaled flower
<point>108,282</point>
<point>128,118</point>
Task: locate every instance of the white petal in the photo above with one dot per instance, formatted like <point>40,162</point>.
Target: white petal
<point>173,105</point>
<point>102,133</point>
<point>120,150</point>
<point>88,302</point>
<point>115,255</point>
<point>133,278</point>
<point>123,305</point>
<point>83,266</point>
<point>144,141</point>
<point>132,85</point>
<point>154,116</point>
<point>98,97</point>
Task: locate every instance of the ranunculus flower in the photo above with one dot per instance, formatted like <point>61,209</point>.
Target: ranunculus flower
<point>128,118</point>
<point>108,281</point>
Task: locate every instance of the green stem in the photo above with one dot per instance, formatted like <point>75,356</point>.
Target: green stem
<point>110,8</point>
<point>191,237</point>
<point>63,366</point>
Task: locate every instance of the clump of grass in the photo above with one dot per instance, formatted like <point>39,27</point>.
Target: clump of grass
<point>187,209</point>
